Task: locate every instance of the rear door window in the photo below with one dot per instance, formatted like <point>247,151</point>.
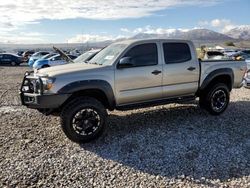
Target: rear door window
<point>176,53</point>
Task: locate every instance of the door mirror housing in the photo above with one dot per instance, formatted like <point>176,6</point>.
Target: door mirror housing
<point>125,62</point>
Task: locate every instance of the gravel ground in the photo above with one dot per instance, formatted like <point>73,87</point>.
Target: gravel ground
<point>165,146</point>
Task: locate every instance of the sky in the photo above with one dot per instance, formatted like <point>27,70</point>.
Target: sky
<point>72,21</point>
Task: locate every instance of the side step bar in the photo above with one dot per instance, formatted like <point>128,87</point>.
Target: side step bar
<point>156,103</point>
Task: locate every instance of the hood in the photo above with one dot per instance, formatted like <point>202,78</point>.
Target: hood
<point>67,68</point>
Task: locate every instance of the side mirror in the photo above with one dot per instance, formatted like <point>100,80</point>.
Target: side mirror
<point>125,62</point>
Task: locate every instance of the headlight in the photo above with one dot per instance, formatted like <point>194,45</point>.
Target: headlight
<point>48,83</point>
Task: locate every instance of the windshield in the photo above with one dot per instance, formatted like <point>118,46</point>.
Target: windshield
<point>108,54</point>
<point>48,56</point>
<point>54,56</point>
<point>36,54</point>
<point>82,58</point>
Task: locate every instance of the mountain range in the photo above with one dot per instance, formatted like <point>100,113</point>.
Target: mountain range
<point>239,35</point>
<point>241,32</point>
<point>203,35</point>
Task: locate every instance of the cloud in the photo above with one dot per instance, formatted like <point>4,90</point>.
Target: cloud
<point>223,25</point>
<point>152,30</point>
<point>23,37</point>
<point>83,38</point>
<point>18,12</point>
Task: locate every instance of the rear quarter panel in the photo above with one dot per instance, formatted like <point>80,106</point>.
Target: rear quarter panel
<point>238,68</point>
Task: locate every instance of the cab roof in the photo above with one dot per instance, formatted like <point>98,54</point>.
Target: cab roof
<point>130,41</point>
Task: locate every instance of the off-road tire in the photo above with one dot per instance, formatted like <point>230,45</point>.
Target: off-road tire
<point>77,105</point>
<point>209,95</point>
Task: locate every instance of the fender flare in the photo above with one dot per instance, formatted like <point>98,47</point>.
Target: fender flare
<point>82,85</point>
<point>216,73</point>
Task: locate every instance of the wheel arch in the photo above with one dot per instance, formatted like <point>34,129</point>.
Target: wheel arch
<point>45,66</point>
<point>224,75</point>
<point>98,89</point>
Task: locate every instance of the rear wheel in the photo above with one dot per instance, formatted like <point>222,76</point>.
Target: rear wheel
<point>83,119</point>
<point>13,63</point>
<point>215,99</point>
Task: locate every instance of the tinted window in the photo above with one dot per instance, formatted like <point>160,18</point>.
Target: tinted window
<point>44,53</point>
<point>143,55</point>
<point>176,52</point>
<point>7,56</point>
<point>215,53</point>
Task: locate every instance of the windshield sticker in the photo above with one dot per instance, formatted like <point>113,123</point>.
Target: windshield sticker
<point>109,57</point>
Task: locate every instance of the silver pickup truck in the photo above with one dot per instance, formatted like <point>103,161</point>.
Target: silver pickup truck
<point>127,75</point>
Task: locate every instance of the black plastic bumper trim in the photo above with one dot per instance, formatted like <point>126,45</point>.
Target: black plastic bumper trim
<point>37,101</point>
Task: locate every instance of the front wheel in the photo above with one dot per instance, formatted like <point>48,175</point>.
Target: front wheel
<point>216,99</point>
<point>83,119</point>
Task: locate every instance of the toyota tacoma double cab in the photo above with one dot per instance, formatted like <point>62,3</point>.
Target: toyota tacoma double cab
<point>126,75</point>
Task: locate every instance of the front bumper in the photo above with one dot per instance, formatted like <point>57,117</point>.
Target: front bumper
<point>33,96</point>
<point>37,101</point>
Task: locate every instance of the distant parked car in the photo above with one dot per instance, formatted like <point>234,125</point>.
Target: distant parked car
<point>247,77</point>
<point>48,56</point>
<point>229,52</point>
<point>26,55</point>
<point>214,55</point>
<point>36,56</point>
<point>73,57</point>
<point>248,64</point>
<point>85,57</point>
<point>246,51</point>
<point>52,61</point>
<point>240,56</point>
<point>75,52</point>
<point>10,59</point>
<point>20,53</point>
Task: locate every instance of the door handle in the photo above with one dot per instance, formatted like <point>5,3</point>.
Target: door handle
<point>156,72</point>
<point>191,68</point>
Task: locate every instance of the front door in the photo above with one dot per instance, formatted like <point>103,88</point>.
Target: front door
<point>142,81</point>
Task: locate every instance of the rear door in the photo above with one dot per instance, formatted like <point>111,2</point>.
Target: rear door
<point>143,80</point>
<point>180,69</point>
